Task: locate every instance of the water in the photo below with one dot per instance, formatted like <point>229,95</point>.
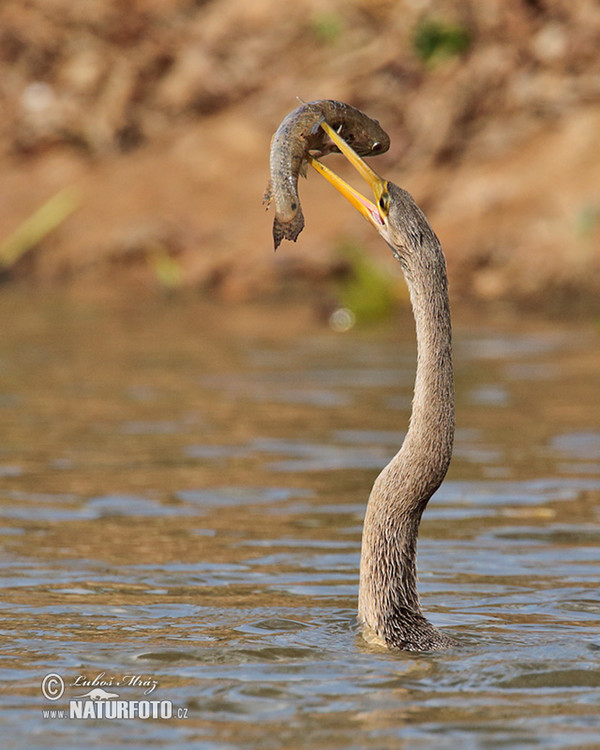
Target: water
<point>182,492</point>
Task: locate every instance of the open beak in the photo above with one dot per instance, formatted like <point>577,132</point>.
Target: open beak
<point>369,210</point>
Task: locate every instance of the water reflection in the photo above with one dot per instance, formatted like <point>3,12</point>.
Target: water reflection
<point>182,497</point>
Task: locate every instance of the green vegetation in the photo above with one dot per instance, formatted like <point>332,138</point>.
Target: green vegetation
<point>327,26</point>
<point>587,221</point>
<point>366,291</point>
<point>436,40</point>
<point>168,270</point>
<point>44,220</point>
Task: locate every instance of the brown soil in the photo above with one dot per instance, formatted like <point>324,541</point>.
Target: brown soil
<point>159,114</point>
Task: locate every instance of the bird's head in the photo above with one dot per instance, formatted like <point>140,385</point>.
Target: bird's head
<point>394,213</point>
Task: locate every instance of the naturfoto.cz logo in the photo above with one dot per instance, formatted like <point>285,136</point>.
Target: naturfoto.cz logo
<point>99,703</point>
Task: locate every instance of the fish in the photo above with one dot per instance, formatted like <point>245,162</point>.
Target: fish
<point>299,137</point>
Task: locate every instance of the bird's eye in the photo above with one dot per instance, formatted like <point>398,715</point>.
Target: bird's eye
<point>384,202</point>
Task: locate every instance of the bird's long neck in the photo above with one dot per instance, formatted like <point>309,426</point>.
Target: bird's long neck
<point>388,598</point>
<point>427,447</point>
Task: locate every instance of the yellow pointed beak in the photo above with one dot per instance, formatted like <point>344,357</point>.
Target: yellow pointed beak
<point>370,211</point>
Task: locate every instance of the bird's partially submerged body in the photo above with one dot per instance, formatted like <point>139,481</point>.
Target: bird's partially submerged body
<point>300,136</point>
<point>388,602</point>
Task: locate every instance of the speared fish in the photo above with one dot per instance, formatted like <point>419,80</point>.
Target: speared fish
<point>300,136</point>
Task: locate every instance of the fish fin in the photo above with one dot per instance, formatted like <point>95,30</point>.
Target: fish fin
<point>267,196</point>
<point>316,126</point>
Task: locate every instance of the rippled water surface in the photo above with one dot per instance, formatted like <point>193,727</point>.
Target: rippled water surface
<point>182,492</point>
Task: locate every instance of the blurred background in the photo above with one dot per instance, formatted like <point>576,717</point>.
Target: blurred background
<point>187,446</point>
<point>135,136</point>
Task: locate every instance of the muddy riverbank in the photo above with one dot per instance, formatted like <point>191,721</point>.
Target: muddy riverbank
<point>134,146</point>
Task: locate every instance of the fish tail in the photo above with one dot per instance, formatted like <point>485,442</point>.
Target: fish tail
<point>287,230</point>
